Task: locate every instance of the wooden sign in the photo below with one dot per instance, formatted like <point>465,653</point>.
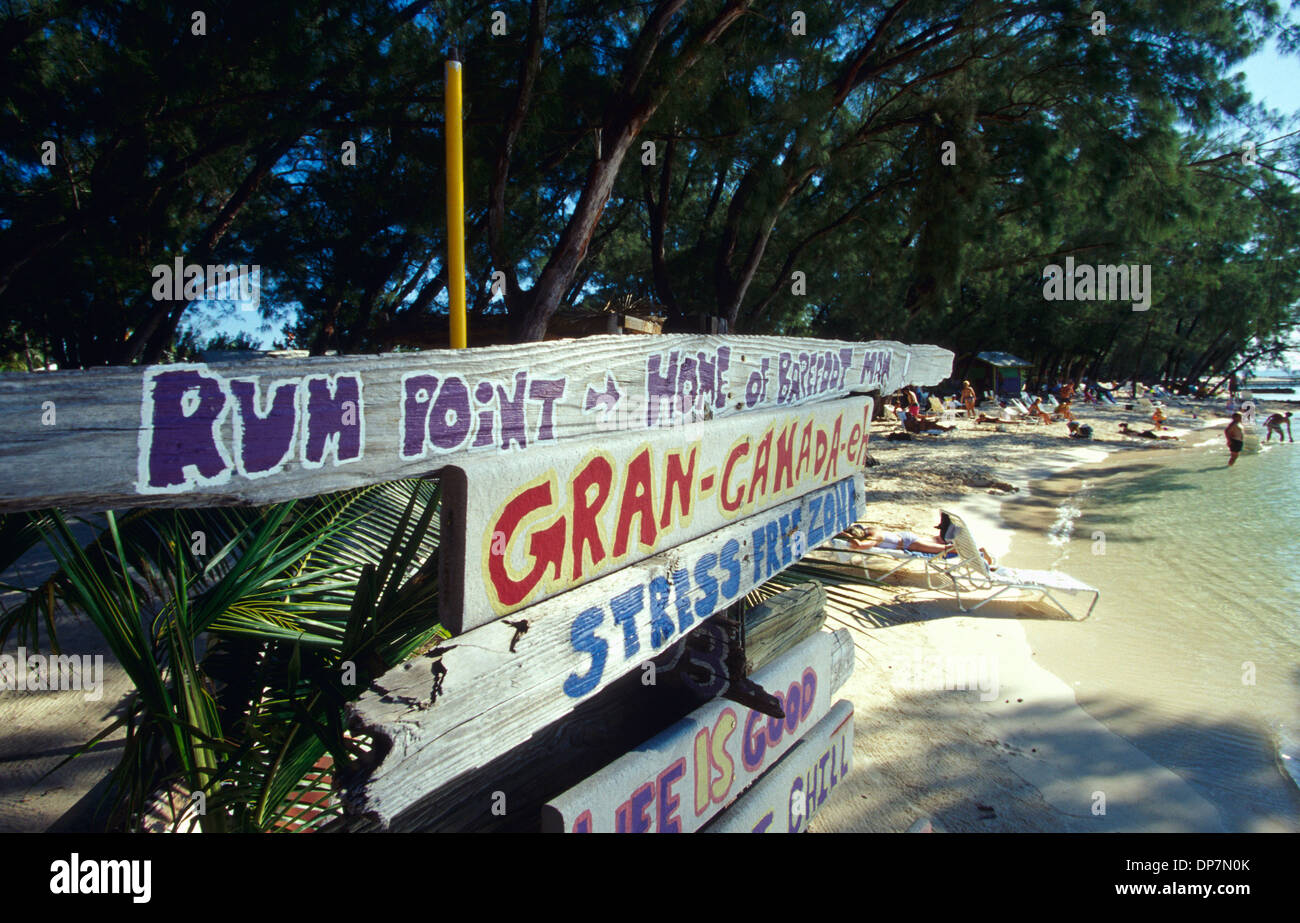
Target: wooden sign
<point>272,429</point>
<point>790,793</point>
<point>485,692</point>
<point>507,793</point>
<point>679,779</point>
<point>519,530</point>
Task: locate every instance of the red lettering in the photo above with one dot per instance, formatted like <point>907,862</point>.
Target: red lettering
<point>737,453</point>
<point>820,458</point>
<point>805,451</point>
<point>546,546</point>
<point>785,458</point>
<point>682,482</point>
<point>636,501</point>
<point>597,473</point>
<point>832,463</point>
<point>761,458</point>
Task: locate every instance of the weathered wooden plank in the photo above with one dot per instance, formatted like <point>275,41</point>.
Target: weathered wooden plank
<point>679,779</point>
<point>789,794</point>
<point>487,691</point>
<point>781,621</point>
<point>268,430</point>
<point>519,530</point>
<point>507,793</point>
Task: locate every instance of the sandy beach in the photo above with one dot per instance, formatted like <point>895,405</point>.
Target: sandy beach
<point>1013,751</point>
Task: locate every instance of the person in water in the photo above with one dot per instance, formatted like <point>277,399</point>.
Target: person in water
<point>1236,437</point>
<point>1274,424</point>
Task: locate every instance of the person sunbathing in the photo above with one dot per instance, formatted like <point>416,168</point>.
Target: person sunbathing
<point>921,425</point>
<point>1158,418</point>
<point>1005,415</point>
<point>865,537</point>
<point>1063,411</point>
<point>1036,410</point>
<point>1145,434</point>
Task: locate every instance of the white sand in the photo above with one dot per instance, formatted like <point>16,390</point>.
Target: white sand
<point>1028,758</point>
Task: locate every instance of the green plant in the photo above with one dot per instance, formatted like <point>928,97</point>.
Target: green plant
<point>244,632</point>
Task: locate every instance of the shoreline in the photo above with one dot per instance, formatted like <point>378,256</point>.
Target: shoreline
<point>1030,758</point>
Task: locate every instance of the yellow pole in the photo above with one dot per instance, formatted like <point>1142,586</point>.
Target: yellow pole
<point>455,210</point>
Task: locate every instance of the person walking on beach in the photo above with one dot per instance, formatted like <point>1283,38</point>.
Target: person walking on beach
<point>1274,423</point>
<point>1236,437</point>
<point>968,399</point>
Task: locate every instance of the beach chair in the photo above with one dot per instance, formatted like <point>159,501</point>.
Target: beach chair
<point>1021,409</point>
<point>946,414</point>
<point>970,573</point>
<point>839,551</point>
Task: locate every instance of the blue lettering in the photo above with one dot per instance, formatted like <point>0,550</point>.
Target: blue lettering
<point>730,586</point>
<point>704,608</point>
<point>661,626</point>
<point>815,534</point>
<point>773,541</point>
<point>582,635</point>
<point>758,555</point>
<point>625,607</point>
<point>682,591</point>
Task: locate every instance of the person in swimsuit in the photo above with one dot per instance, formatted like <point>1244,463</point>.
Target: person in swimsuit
<point>1036,410</point>
<point>968,398</point>
<point>875,537</point>
<point>1274,423</point>
<point>1236,437</point>
<point>921,425</point>
<point>913,402</point>
<point>1145,434</point>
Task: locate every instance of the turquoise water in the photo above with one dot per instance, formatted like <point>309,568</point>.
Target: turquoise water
<point>1193,653</point>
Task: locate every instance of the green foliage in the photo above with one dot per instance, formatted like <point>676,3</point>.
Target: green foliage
<point>822,153</point>
<point>244,633</point>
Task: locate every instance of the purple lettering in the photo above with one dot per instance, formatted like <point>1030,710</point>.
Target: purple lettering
<point>184,407</point>
<point>453,400</point>
<point>514,422</point>
<point>417,397</point>
<point>724,359</point>
<point>328,426</point>
<point>548,391</point>
<point>263,442</point>
<point>659,387</point>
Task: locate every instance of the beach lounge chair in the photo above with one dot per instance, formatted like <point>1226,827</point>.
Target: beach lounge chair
<point>1021,409</point>
<point>946,414</point>
<point>839,551</point>
<point>970,573</point>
